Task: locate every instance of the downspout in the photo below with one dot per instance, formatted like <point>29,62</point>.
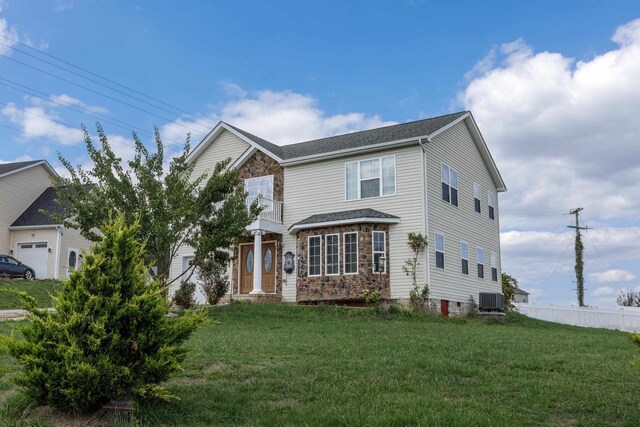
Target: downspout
<point>56,273</point>
<point>425,199</point>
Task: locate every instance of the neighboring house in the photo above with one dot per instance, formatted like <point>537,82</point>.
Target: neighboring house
<point>521,296</point>
<point>338,211</point>
<point>26,233</point>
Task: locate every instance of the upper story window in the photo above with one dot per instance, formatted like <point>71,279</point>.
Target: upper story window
<point>464,257</point>
<point>370,178</point>
<point>314,256</point>
<point>332,254</point>
<point>379,252</point>
<point>494,267</point>
<point>477,194</point>
<point>491,199</point>
<point>439,251</point>
<point>449,177</point>
<point>260,186</point>
<point>480,262</point>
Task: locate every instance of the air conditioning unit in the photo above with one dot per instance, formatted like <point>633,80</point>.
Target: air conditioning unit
<point>491,302</point>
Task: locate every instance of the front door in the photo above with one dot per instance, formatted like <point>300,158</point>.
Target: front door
<point>268,268</point>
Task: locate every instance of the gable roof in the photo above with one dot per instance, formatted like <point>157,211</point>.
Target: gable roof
<point>13,167</point>
<point>32,215</point>
<point>344,217</point>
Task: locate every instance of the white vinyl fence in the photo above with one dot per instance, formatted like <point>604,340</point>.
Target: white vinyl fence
<point>621,318</point>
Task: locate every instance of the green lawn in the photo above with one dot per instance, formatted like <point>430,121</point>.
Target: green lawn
<point>287,365</point>
<point>39,289</point>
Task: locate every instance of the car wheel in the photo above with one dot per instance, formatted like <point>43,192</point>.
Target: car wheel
<point>28,275</point>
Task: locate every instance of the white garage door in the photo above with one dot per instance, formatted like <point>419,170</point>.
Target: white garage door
<point>35,256</point>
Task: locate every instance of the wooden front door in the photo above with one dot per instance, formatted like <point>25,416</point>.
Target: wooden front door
<point>268,268</point>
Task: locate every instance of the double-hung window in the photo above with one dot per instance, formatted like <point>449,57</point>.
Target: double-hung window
<point>314,256</point>
<point>494,267</point>
<point>449,178</point>
<point>365,179</point>
<point>480,262</point>
<point>332,254</point>
<point>350,249</point>
<point>464,257</point>
<point>491,200</point>
<point>261,186</point>
<point>379,252</point>
<point>477,194</point>
<point>439,251</point>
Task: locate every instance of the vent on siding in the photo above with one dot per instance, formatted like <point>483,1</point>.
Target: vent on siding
<point>491,302</point>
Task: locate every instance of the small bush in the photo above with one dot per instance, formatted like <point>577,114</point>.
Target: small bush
<point>213,277</point>
<point>372,297</point>
<point>109,337</point>
<point>185,295</point>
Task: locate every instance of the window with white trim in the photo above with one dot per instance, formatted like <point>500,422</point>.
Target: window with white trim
<point>491,201</point>
<point>350,248</point>
<point>332,254</point>
<point>464,257</point>
<point>449,178</point>
<point>379,241</point>
<point>477,195</point>
<point>261,186</point>
<point>365,179</point>
<point>494,266</point>
<point>314,256</point>
<point>439,250</point>
<point>480,262</point>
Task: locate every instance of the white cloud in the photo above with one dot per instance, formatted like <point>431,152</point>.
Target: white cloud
<point>604,291</point>
<point>612,276</point>
<point>37,122</point>
<point>69,100</point>
<point>281,117</point>
<point>9,36</point>
<point>23,158</point>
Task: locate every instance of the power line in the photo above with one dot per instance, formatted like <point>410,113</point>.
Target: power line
<point>556,269</point>
<point>93,74</point>
<point>101,94</point>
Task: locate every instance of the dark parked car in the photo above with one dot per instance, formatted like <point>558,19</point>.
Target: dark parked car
<point>12,267</point>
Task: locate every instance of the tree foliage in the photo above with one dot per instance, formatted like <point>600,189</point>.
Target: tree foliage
<point>173,208</point>
<point>509,286</point>
<point>109,336</point>
<point>419,295</point>
<point>629,298</point>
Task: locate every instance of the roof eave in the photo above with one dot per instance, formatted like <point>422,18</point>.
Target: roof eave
<point>364,220</point>
<point>44,163</point>
<point>33,227</point>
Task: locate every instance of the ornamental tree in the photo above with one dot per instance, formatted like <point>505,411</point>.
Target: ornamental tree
<point>172,208</point>
<point>109,337</point>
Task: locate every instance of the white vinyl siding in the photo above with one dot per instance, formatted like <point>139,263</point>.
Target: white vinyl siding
<point>370,178</point>
<point>379,241</point>
<point>332,254</point>
<point>456,147</point>
<point>305,183</point>
<point>350,248</point>
<point>314,256</point>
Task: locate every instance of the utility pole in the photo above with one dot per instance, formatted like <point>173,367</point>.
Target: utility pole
<point>579,256</point>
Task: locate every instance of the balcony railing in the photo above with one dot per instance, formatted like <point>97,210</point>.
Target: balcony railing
<point>271,209</point>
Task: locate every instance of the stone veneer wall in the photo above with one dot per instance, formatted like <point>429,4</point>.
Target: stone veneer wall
<point>342,287</point>
<point>261,164</point>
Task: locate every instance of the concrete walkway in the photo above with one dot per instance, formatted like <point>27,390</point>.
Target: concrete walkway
<point>15,314</point>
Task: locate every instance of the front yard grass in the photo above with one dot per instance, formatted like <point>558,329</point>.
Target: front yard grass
<point>269,364</point>
<point>39,289</point>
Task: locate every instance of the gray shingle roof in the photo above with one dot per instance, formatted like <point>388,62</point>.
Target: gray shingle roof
<point>32,215</point>
<point>10,167</point>
<point>416,129</point>
<point>521,291</point>
<point>370,214</point>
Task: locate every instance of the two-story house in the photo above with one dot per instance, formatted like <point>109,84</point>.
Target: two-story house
<point>338,211</point>
<point>26,233</point>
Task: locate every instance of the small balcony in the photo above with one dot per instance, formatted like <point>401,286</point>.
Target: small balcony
<point>270,218</point>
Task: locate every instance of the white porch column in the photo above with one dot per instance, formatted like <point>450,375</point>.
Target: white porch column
<point>257,263</point>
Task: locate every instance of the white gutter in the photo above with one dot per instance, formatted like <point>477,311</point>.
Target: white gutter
<point>369,220</point>
<point>425,198</point>
<point>34,227</point>
<point>56,273</point>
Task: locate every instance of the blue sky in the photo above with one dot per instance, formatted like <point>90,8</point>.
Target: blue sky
<point>553,86</point>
